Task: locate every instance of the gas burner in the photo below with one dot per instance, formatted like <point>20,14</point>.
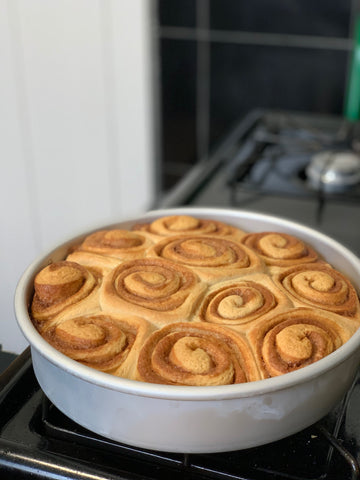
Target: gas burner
<point>297,157</point>
<point>333,171</point>
<point>263,165</point>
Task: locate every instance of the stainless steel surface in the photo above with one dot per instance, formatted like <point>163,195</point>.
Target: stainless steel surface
<point>334,171</point>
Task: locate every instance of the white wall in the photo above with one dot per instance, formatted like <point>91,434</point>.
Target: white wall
<point>76,126</point>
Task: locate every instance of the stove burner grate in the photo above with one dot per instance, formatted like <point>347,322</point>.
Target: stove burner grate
<point>275,156</point>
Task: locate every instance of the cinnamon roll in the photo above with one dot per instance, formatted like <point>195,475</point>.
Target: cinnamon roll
<point>105,342</point>
<point>153,288</point>
<point>320,286</point>
<point>63,288</point>
<point>296,338</point>
<point>212,258</point>
<point>196,354</point>
<point>191,301</point>
<point>187,225</point>
<point>105,249</point>
<point>280,249</point>
<point>239,302</point>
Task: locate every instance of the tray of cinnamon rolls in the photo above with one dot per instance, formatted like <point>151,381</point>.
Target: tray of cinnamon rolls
<point>194,329</point>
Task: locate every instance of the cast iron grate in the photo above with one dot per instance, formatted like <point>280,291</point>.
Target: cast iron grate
<point>273,160</point>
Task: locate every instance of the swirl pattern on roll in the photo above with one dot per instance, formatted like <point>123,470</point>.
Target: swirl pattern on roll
<point>241,302</point>
<point>320,286</point>
<point>212,258</point>
<point>105,249</point>
<point>196,354</point>
<point>188,225</point>
<point>60,286</point>
<point>116,243</point>
<point>153,288</point>
<point>297,338</point>
<point>104,342</point>
<point>204,302</point>
<point>280,249</point>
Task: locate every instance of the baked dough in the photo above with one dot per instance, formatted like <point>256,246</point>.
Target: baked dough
<point>188,225</point>
<point>196,354</point>
<point>158,290</point>
<point>212,258</point>
<point>187,301</point>
<point>297,338</point>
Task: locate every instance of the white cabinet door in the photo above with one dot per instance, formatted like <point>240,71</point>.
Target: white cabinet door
<point>76,126</point>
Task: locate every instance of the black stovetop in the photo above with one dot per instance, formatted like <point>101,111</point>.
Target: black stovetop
<point>261,166</point>
<point>38,441</point>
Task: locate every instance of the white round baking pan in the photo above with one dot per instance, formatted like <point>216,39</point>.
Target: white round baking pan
<point>195,419</point>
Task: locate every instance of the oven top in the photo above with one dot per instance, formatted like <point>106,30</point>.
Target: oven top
<point>303,167</point>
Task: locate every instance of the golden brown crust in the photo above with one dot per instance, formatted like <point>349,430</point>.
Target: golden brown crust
<point>107,343</point>
<point>240,302</point>
<point>188,225</point>
<point>196,354</point>
<point>211,258</point>
<point>101,264</point>
<point>63,288</point>
<point>296,338</point>
<point>204,302</point>
<point>280,249</point>
<point>105,249</point>
<point>320,286</point>
<point>153,288</point>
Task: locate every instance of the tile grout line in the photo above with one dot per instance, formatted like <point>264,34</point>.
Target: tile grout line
<point>255,38</point>
<point>202,82</point>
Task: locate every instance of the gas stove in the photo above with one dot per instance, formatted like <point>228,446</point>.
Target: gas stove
<point>269,163</point>
<point>303,167</point>
<point>38,441</point>
<point>287,155</point>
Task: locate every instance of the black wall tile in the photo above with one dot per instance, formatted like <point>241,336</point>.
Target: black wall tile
<point>178,92</point>
<point>244,77</point>
<point>247,77</point>
<point>298,17</point>
<point>177,13</point>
